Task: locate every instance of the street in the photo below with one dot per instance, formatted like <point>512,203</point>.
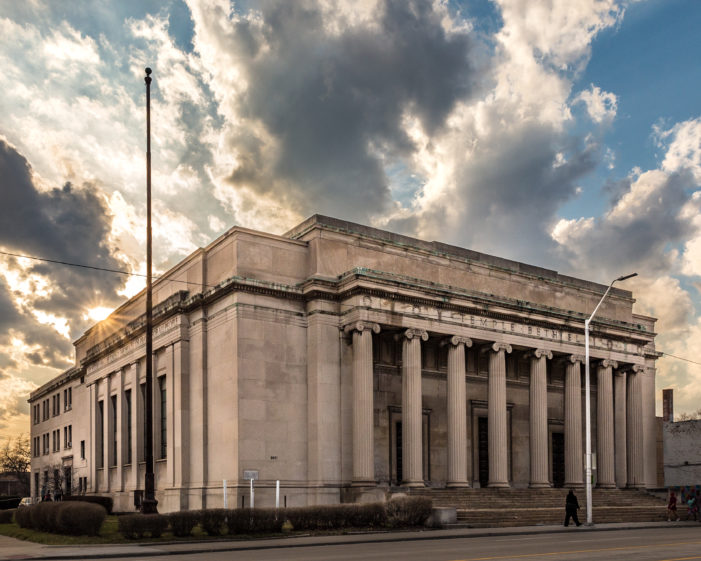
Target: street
<point>669,543</point>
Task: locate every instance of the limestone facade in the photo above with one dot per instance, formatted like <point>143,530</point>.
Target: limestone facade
<point>343,361</point>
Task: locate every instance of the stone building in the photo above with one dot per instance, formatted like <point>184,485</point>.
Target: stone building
<point>343,361</point>
<point>682,453</point>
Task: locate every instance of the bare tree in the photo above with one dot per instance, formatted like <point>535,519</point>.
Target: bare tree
<point>695,416</point>
<point>15,459</point>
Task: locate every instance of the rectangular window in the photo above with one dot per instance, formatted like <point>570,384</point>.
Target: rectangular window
<point>58,404</point>
<point>143,403</point>
<point>67,399</point>
<point>100,434</point>
<point>127,403</point>
<point>53,440</point>
<point>36,484</point>
<point>162,388</point>
<point>82,449</point>
<point>70,436</point>
<point>113,400</point>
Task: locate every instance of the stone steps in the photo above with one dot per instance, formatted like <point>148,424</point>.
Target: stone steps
<point>529,507</point>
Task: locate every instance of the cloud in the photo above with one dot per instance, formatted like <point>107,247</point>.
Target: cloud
<point>316,139</point>
<point>65,224</point>
<point>601,105</point>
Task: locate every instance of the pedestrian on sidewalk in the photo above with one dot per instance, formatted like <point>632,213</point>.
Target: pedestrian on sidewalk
<point>571,508</point>
<point>693,506</point>
<point>672,507</point>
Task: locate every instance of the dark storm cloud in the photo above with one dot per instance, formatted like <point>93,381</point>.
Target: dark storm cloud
<point>334,102</point>
<point>66,224</point>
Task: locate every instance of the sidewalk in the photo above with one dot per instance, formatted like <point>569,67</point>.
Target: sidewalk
<point>11,548</point>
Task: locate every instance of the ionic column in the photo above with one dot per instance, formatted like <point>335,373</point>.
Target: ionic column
<point>619,427</point>
<point>604,425</point>
<point>363,431</point>
<point>496,416</point>
<point>539,418</point>
<point>411,407</point>
<point>636,468</point>
<point>457,412</point>
<point>573,423</point>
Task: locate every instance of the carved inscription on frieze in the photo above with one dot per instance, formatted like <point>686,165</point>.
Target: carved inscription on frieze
<point>127,348</point>
<point>502,326</point>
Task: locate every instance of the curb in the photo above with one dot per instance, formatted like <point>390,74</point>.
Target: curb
<point>284,544</point>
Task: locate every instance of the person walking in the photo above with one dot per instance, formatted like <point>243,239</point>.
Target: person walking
<point>693,506</point>
<point>571,508</point>
<point>672,507</point>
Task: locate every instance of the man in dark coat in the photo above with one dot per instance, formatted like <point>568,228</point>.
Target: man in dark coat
<point>571,508</point>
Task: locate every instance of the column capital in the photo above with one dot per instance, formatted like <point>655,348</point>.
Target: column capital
<point>632,368</point>
<point>607,362</point>
<point>574,359</point>
<point>456,340</point>
<point>539,353</point>
<point>361,326</point>
<point>497,347</point>
<point>415,333</point>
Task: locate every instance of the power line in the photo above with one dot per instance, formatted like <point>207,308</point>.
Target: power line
<point>92,267</point>
<point>126,273</point>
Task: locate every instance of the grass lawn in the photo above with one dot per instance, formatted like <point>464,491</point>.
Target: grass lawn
<point>108,534</point>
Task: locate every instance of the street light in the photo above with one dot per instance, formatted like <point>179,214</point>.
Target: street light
<point>586,393</point>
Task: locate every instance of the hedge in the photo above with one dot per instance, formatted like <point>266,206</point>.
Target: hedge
<point>408,511</point>
<point>105,502</point>
<point>213,520</point>
<point>136,525</point>
<point>62,518</point>
<point>6,516</point>
<point>183,522</point>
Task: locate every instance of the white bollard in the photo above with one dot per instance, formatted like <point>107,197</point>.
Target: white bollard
<point>226,502</point>
<point>253,495</point>
<point>277,494</point>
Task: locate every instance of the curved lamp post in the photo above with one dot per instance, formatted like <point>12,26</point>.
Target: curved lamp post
<point>587,391</point>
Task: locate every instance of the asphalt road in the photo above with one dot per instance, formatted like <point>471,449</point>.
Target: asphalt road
<point>656,544</point>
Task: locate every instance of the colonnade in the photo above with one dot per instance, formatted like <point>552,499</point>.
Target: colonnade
<point>619,437</point>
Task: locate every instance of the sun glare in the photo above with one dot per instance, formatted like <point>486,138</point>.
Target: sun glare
<point>98,313</point>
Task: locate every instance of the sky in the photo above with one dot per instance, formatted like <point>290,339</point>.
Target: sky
<point>561,133</point>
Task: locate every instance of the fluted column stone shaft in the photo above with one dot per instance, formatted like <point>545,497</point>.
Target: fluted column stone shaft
<point>619,418</point>
<point>538,414</point>
<point>412,463</point>
<point>574,474</point>
<point>363,430</point>
<point>604,425</point>
<point>496,416</point>
<point>457,412</point>
<point>636,468</point>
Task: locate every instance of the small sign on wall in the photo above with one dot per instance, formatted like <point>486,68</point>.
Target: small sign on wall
<point>250,474</point>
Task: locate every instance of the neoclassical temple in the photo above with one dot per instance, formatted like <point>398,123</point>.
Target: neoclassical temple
<point>344,361</point>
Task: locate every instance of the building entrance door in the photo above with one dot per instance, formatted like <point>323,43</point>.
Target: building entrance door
<point>558,448</point>
<point>483,450</point>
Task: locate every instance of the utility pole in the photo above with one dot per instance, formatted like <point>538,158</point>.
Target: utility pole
<point>149,502</point>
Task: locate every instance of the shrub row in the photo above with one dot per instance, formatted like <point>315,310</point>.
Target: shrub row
<point>398,512</point>
<point>105,502</point>
<point>6,516</point>
<point>75,518</point>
